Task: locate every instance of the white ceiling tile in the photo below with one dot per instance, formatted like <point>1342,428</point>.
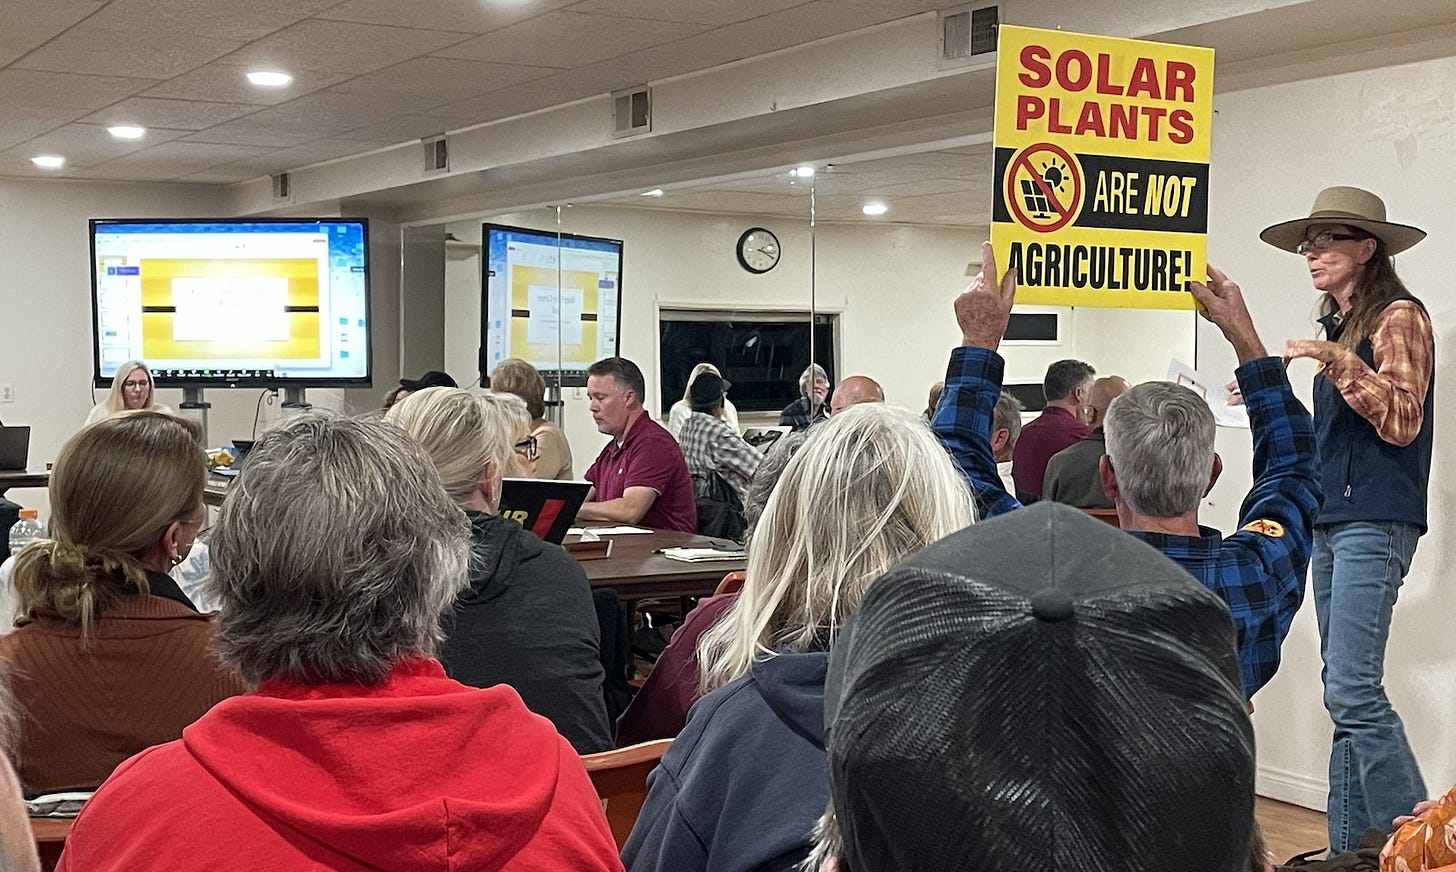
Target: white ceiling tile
<point>502,104</point>
<point>65,90</point>
<point>224,82</point>
<point>432,80</point>
<point>85,145</point>
<point>173,160</point>
<point>223,20</point>
<point>178,114</point>
<point>25,26</point>
<point>714,12</point>
<point>789,27</point>
<point>463,16</point>
<point>245,132</point>
<point>341,46</point>
<point>311,117</point>
<point>146,54</point>
<point>569,39</point>
<point>20,123</point>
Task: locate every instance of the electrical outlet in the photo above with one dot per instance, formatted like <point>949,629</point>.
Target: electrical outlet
<point>7,393</point>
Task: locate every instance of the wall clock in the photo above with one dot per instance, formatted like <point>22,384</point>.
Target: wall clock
<point>758,250</point>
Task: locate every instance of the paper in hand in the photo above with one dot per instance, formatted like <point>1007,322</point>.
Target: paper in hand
<point>1213,393</point>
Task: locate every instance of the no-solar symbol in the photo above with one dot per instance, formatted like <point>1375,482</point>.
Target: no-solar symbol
<point>1044,187</point>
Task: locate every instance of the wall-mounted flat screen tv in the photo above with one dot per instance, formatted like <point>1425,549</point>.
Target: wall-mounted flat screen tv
<point>233,303</point>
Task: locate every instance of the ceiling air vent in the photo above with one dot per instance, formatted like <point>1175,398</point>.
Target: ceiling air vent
<point>632,111</point>
<point>968,35</point>
<point>282,190</point>
<point>436,150</point>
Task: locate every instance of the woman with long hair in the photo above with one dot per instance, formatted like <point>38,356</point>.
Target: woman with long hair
<point>869,487</point>
<point>526,619</point>
<point>110,655</point>
<point>131,389</point>
<point>1373,417</point>
<point>516,376</point>
<point>682,410</point>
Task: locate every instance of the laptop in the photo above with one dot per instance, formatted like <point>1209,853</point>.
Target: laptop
<point>546,508</point>
<point>14,448</point>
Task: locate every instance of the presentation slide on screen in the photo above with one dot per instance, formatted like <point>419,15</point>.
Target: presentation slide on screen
<point>552,303</point>
<point>223,301</point>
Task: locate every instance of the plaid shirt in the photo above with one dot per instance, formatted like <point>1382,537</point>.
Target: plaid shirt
<point>1391,395</point>
<point>1259,571</point>
<point>709,445</point>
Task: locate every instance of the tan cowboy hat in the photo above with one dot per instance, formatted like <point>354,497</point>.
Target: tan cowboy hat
<point>1352,207</point>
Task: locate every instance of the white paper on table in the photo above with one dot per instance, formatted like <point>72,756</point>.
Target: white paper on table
<point>1213,392</point>
<point>623,530</point>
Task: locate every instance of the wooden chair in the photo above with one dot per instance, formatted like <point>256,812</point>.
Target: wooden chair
<point>731,583</point>
<point>620,778</point>
<point>1105,515</point>
<point>50,839</point>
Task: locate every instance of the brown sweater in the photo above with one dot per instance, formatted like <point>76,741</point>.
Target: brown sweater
<point>147,672</point>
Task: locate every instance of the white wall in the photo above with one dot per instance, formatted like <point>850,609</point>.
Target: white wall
<point>1392,131</point>
<point>893,286</point>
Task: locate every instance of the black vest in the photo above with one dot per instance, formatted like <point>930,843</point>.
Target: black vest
<point>1366,478</point>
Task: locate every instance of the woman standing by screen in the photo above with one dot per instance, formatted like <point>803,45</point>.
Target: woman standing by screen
<point>1373,422</point>
<point>131,389</point>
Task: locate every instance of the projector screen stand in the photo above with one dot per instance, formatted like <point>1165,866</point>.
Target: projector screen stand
<point>555,409</point>
<point>194,406</point>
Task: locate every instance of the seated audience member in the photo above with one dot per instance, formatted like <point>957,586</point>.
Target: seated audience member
<point>527,618</point>
<point>131,389</point>
<point>742,785</point>
<point>1058,712</point>
<point>1072,477</point>
<point>431,379</point>
<point>17,841</point>
<point>1005,430</point>
<point>1160,463</point>
<point>934,400</point>
<point>660,708</point>
<point>709,445</point>
<point>810,406</point>
<point>355,751</point>
<point>855,390</point>
<point>526,450</point>
<point>1060,424</point>
<point>681,410</point>
<point>553,452</point>
<point>640,476</point>
<point>109,656</point>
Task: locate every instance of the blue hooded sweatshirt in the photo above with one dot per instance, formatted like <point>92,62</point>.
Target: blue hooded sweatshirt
<point>742,787</point>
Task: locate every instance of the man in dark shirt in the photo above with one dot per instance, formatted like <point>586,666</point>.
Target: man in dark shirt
<point>1066,386</point>
<point>812,404</point>
<point>1072,476</point>
<point>640,477</point>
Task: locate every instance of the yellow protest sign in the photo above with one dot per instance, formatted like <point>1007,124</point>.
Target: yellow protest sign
<point>1102,149</point>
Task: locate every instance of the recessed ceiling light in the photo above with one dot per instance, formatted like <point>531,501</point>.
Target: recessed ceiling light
<point>655,192</point>
<point>804,172</point>
<point>127,131</point>
<point>874,208</point>
<point>49,161</point>
<point>269,78</point>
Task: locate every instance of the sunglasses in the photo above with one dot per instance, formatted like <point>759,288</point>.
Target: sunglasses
<point>1323,241</point>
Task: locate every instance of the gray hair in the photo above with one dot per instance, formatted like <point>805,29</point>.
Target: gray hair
<point>1160,445</point>
<point>807,379</point>
<point>335,554</point>
<point>1007,416</point>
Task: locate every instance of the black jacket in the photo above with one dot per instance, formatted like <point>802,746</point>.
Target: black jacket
<point>527,620</point>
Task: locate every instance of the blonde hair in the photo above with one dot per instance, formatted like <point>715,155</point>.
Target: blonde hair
<point>116,400</point>
<point>693,376</point>
<point>115,489</point>
<point>870,486</point>
<point>463,433</point>
<point>516,376</point>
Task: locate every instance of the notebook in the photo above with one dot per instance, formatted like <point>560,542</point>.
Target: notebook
<point>546,508</point>
<point>14,448</point>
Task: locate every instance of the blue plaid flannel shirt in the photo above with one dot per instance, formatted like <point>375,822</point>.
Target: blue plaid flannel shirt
<point>1259,571</point>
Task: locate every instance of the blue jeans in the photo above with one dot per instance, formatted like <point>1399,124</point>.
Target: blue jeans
<point>1357,569</point>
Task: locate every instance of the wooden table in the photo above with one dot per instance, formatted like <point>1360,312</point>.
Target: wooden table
<point>50,838</point>
<point>636,571</point>
<point>9,480</point>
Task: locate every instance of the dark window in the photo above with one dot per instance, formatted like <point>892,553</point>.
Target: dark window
<point>762,355</point>
<point>1032,397</point>
<point>1036,326</point>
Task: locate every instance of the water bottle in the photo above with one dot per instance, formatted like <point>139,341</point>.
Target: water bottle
<point>26,529</point>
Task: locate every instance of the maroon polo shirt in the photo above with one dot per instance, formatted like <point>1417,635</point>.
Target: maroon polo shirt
<point>648,456</point>
<point>1053,430</point>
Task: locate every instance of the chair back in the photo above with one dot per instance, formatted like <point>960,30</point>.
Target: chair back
<point>50,839</point>
<point>1108,516</point>
<point>731,583</point>
<point>620,777</point>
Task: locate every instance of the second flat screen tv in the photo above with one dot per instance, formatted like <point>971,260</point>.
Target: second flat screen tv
<point>552,300</point>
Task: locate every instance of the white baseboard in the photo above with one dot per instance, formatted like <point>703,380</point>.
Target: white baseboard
<point>1291,787</point>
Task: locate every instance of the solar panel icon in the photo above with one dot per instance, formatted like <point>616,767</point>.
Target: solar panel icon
<point>1036,200</point>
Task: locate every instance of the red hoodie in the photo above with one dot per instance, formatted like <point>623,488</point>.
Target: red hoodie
<point>419,772</point>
